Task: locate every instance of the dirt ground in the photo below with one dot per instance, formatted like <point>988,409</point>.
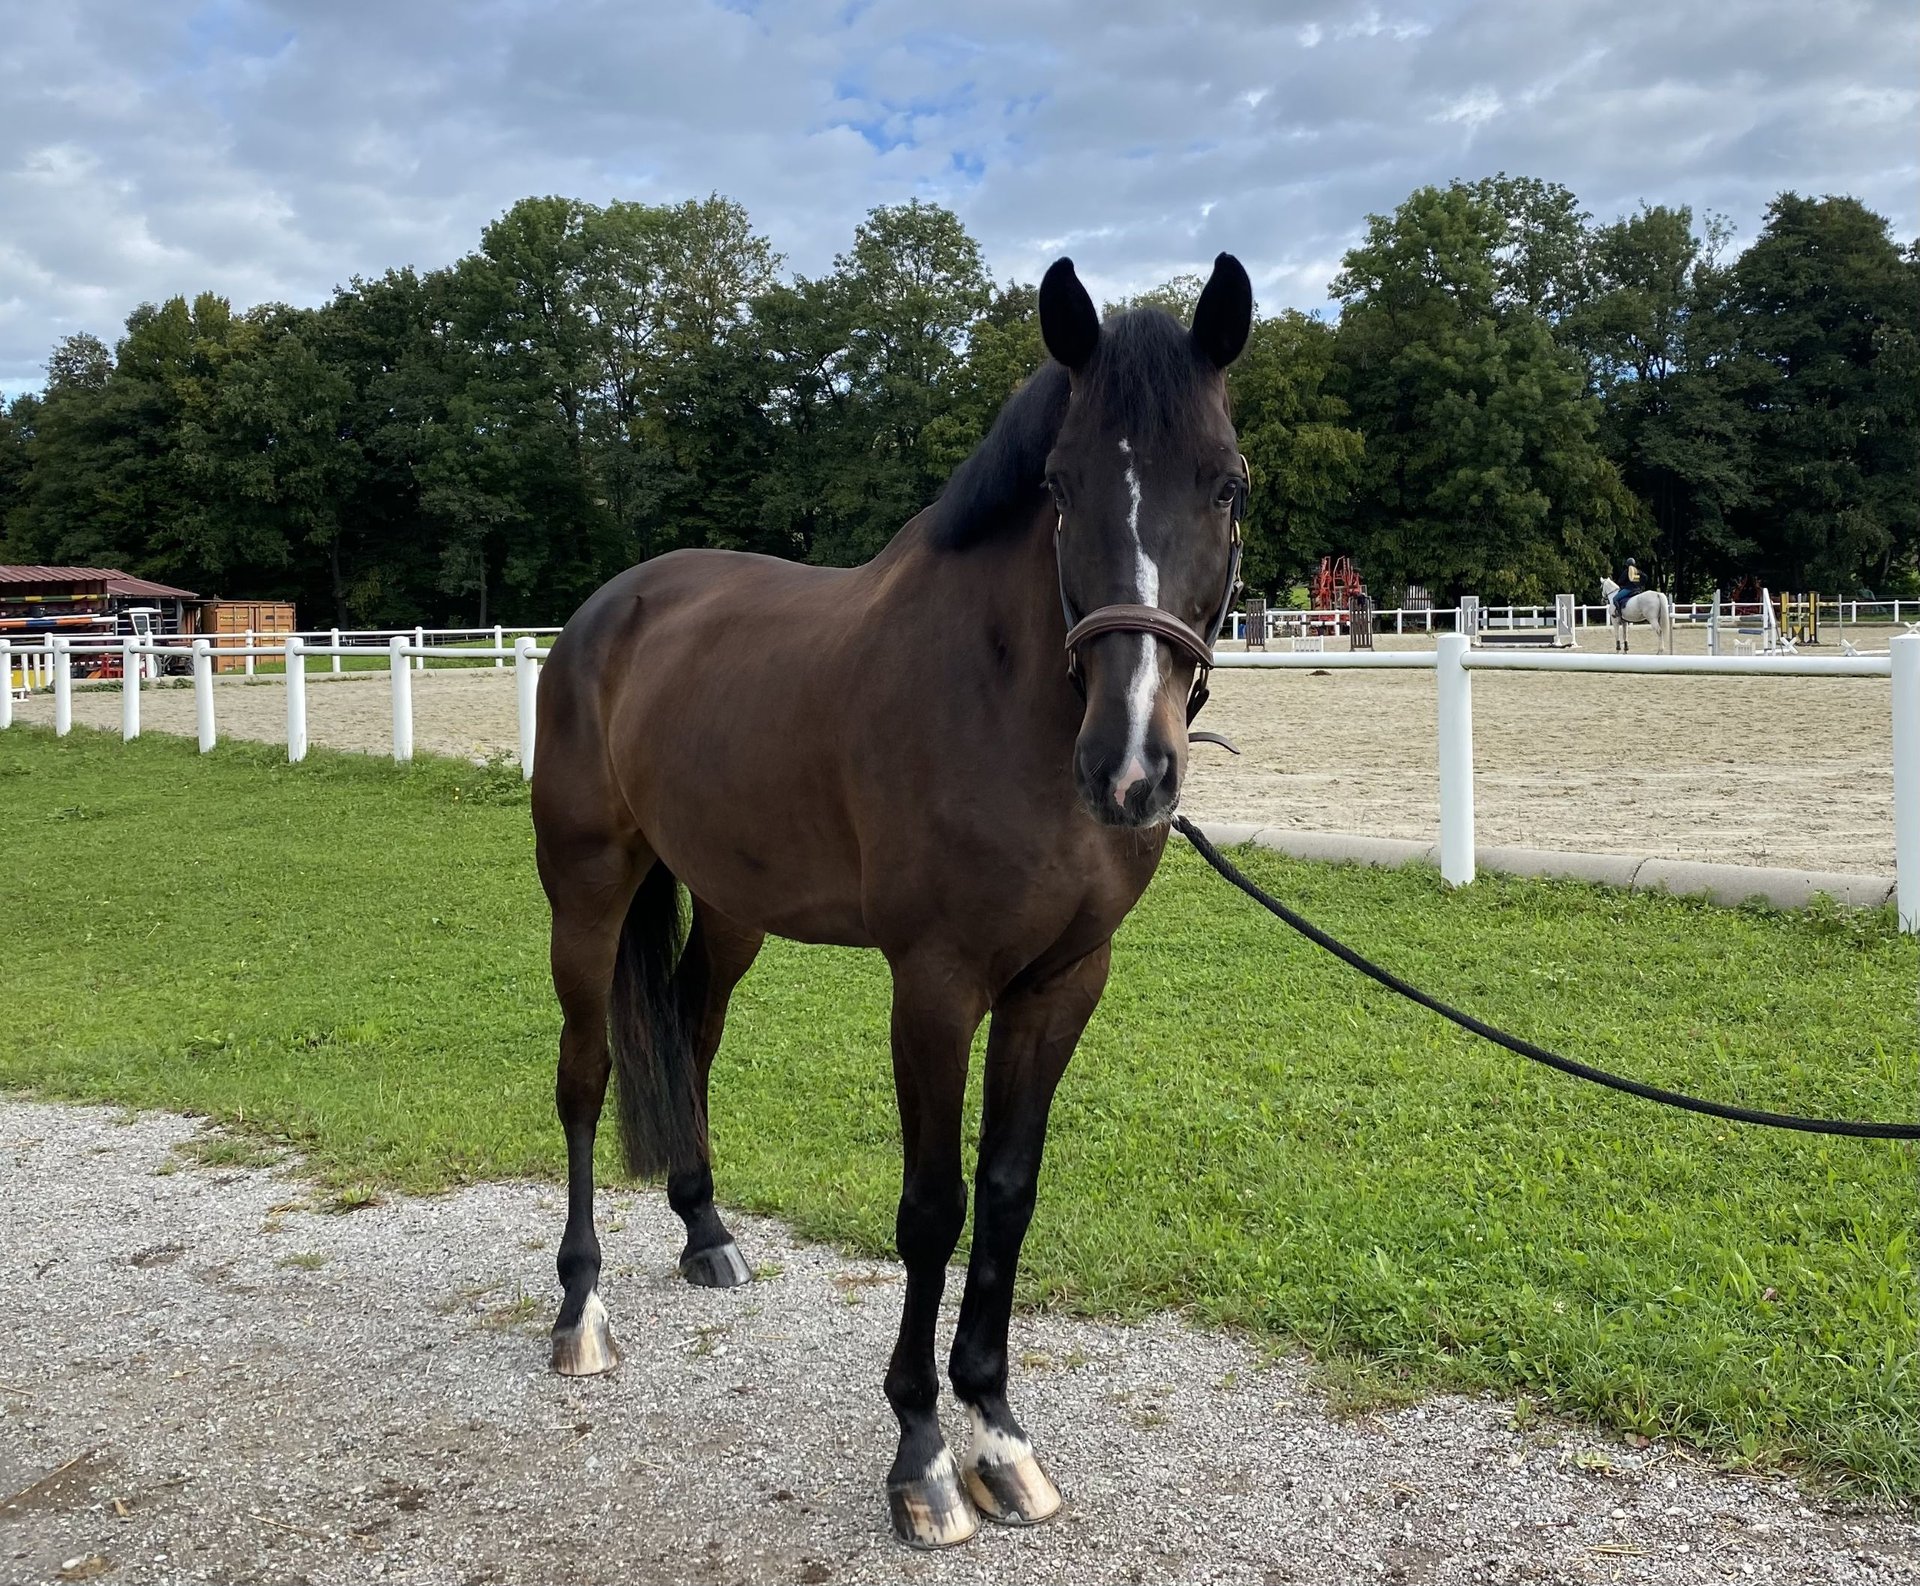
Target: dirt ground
<point>1794,772</point>
<point>212,1373</point>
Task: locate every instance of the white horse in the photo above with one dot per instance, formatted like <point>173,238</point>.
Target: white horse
<point>1650,606</point>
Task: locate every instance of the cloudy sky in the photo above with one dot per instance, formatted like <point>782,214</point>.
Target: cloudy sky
<point>271,149</point>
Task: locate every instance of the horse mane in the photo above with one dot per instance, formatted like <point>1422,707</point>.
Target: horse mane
<point>1145,377</point>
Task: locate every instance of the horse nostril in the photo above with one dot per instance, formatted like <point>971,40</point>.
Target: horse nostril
<point>1125,781</point>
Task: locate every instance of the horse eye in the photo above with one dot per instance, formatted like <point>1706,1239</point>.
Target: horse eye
<point>1059,493</point>
<point>1227,494</point>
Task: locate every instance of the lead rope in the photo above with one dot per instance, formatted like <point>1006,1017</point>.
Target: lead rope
<point>1671,1098</point>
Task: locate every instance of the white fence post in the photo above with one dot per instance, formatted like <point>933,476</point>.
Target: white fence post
<point>499,661</point>
<point>62,688</point>
<point>1454,688</point>
<point>129,689</point>
<point>402,700</point>
<point>526,683</point>
<point>296,699</point>
<point>420,642</point>
<point>6,682</point>
<point>1905,654</point>
<point>334,637</point>
<point>203,692</point>
<point>249,660</point>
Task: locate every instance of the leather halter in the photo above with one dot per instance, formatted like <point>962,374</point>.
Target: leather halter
<point>1156,621</point>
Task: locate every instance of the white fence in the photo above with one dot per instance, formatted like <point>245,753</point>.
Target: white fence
<point>54,658</point>
<point>1446,619</point>
<point>1453,662</point>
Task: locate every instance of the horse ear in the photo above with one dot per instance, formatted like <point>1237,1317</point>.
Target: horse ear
<point>1223,318</point>
<point>1069,324</point>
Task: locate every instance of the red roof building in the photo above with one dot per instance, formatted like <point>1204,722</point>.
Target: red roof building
<point>34,597</point>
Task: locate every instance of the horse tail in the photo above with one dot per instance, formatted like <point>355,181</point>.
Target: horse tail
<point>651,1034</point>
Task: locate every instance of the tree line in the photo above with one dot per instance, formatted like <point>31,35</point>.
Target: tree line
<point>1510,398</point>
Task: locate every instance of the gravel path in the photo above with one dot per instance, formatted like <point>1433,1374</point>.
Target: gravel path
<point>205,1376</point>
<point>1794,772</point>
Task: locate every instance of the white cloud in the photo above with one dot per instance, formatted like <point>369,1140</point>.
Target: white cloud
<point>271,149</point>
<point>1471,110</point>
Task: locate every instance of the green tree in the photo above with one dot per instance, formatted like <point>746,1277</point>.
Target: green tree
<point>1659,336</point>
<point>1178,297</point>
<point>1003,351</point>
<point>273,463</point>
<point>905,295</point>
<point>1306,458</point>
<point>111,480</point>
<point>1483,473</point>
<point>391,340</point>
<point>60,506</point>
<point>681,426</point>
<point>801,501</point>
<point>1540,251</point>
<point>1828,309</point>
<point>18,421</point>
<point>507,479</point>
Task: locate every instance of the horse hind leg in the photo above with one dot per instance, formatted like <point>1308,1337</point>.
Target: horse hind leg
<point>719,952</point>
<point>590,892</point>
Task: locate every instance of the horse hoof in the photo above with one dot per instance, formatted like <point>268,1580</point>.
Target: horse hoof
<point>716,1267</point>
<point>585,1349</point>
<point>932,1512</point>
<point>1013,1492</point>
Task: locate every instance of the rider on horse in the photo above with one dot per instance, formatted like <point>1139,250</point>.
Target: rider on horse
<point>1630,586</point>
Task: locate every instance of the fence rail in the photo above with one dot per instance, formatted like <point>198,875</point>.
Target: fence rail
<point>1453,661</point>
<point>403,657</point>
<point>1499,619</point>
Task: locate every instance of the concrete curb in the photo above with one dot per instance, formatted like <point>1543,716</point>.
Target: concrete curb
<point>1724,884</point>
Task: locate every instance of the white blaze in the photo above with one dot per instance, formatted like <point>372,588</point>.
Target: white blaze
<point>1145,681</point>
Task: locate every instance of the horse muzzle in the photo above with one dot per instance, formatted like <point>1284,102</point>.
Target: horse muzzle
<point>1120,789</point>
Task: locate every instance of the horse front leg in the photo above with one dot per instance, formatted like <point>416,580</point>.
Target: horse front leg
<point>1035,1030</point>
<point>934,1017</point>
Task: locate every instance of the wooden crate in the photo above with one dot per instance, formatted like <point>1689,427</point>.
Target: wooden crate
<point>227,622</point>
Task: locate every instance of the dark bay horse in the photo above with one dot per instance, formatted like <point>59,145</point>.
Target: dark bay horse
<point>935,755</point>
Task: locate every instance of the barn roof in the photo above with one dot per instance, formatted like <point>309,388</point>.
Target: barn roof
<point>117,582</point>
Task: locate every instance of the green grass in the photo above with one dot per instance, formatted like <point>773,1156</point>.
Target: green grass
<point>351,958</point>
